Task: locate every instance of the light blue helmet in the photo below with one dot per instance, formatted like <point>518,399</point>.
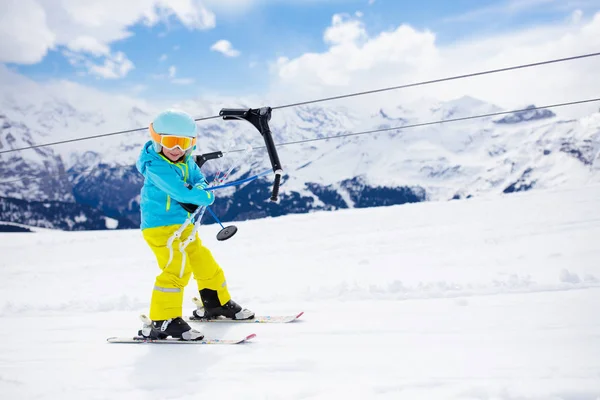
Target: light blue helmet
<point>173,122</point>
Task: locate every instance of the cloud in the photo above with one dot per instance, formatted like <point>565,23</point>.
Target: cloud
<point>88,44</point>
<point>576,16</point>
<point>505,8</point>
<point>233,7</point>
<point>355,61</point>
<point>344,31</point>
<point>24,43</point>
<point>88,53</point>
<point>115,66</point>
<point>171,76</point>
<point>225,47</point>
<point>30,28</point>
<point>163,58</point>
<point>109,66</point>
<point>510,8</point>
<point>191,13</point>
<point>352,53</point>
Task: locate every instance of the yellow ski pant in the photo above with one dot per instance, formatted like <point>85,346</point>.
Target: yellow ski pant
<point>167,296</point>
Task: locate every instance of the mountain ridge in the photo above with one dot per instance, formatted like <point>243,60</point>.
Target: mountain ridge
<point>520,151</point>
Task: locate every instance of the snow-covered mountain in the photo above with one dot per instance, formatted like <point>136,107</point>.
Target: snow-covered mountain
<point>515,152</point>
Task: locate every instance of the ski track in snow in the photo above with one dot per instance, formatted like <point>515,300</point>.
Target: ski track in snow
<point>489,298</point>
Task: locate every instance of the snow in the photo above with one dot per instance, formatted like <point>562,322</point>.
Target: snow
<point>487,298</point>
<point>111,223</point>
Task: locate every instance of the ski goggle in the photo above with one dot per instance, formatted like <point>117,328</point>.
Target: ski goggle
<point>172,141</point>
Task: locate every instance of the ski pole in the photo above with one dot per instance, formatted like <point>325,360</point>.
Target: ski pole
<point>215,217</point>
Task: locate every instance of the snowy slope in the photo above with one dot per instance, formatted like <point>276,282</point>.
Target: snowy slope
<point>486,298</point>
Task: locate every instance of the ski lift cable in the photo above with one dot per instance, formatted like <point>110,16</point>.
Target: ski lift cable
<point>438,122</point>
<point>452,78</point>
<point>423,83</point>
<point>398,128</point>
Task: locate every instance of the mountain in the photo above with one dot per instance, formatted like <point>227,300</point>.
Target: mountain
<point>57,215</point>
<point>529,114</point>
<point>526,150</point>
<point>41,185</point>
<point>38,174</point>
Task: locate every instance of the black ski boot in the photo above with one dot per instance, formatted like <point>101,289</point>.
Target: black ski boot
<point>175,327</point>
<point>210,307</point>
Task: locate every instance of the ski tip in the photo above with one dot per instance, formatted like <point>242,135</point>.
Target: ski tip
<point>299,315</point>
<point>251,336</point>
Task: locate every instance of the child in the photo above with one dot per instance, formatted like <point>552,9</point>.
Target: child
<point>171,177</point>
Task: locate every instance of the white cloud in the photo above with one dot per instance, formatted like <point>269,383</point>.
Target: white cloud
<point>232,7</point>
<point>225,47</point>
<point>344,31</point>
<point>29,28</point>
<point>25,37</point>
<point>88,44</point>
<point>171,76</point>
<point>352,53</point>
<point>504,8</point>
<point>115,66</point>
<point>356,61</point>
<point>509,8</point>
<point>100,16</point>
<point>75,59</point>
<point>163,58</point>
<point>192,13</point>
<point>109,66</point>
<point>576,16</point>
<point>371,2</point>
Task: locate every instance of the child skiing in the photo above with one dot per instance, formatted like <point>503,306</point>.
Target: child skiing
<point>172,178</point>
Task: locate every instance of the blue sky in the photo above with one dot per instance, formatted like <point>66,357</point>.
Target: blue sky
<point>172,60</point>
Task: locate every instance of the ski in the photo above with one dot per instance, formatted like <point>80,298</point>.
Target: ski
<point>143,340</point>
<point>261,319</point>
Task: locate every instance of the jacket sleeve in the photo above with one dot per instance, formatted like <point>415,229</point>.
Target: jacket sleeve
<point>164,178</point>
<point>196,176</point>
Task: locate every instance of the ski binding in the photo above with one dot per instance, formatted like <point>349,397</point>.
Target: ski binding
<point>260,319</point>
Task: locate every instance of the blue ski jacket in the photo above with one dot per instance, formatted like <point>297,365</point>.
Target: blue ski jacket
<point>166,185</point>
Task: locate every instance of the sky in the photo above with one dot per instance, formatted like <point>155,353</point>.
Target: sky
<point>290,50</point>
